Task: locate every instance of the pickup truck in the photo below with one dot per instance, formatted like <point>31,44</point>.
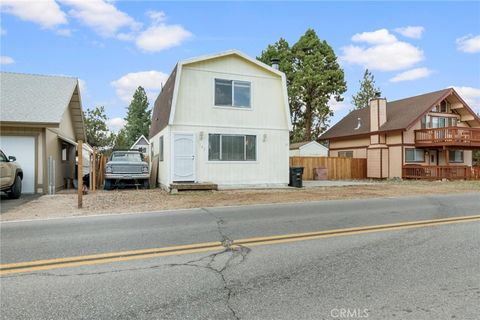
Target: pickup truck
<point>126,167</point>
<point>11,175</point>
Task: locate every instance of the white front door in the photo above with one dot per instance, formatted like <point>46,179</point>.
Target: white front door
<point>183,157</point>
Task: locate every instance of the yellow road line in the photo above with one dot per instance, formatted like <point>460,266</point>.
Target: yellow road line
<point>38,265</point>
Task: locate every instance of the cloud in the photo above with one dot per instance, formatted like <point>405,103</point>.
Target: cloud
<point>64,32</point>
<point>3,31</point>
<point>151,81</point>
<point>103,17</point>
<point>46,13</point>
<point>115,124</point>
<point>156,16</point>
<point>413,74</point>
<point>375,37</point>
<point>6,60</point>
<point>160,36</point>
<point>469,43</point>
<point>384,52</point>
<point>470,95</point>
<point>411,32</point>
<point>337,106</point>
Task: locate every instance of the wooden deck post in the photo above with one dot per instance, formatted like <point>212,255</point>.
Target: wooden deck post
<point>93,169</point>
<point>80,173</point>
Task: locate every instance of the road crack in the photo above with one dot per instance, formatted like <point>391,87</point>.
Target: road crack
<point>234,251</point>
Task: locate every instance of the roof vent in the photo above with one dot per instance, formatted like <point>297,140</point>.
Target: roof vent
<point>359,123</point>
<point>275,63</point>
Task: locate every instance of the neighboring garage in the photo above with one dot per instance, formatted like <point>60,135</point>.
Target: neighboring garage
<point>23,148</point>
<point>41,122</point>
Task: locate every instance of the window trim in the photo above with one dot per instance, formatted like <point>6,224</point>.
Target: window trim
<point>233,95</point>
<point>414,161</point>
<point>244,135</point>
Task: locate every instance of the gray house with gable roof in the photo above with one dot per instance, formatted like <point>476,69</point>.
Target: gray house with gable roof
<point>41,118</point>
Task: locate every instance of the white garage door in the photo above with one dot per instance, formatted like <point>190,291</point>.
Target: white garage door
<point>23,148</point>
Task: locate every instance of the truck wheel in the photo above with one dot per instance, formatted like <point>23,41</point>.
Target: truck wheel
<point>146,184</point>
<point>16,190</point>
<point>108,184</point>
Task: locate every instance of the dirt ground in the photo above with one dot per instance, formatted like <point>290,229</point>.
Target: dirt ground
<point>64,204</point>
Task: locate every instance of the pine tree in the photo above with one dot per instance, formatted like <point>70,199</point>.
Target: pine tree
<point>121,140</point>
<point>367,91</point>
<point>138,117</point>
<point>313,78</point>
<point>96,128</point>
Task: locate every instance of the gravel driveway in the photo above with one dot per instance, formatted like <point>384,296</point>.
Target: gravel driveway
<point>64,204</point>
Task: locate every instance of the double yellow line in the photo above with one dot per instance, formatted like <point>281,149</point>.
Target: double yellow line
<point>38,265</point>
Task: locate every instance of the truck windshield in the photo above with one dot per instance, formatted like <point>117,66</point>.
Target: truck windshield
<point>126,156</point>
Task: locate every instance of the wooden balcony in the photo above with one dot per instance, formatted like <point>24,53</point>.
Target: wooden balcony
<point>441,172</point>
<point>467,138</point>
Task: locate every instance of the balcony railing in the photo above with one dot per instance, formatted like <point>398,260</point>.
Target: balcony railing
<point>441,172</point>
<point>450,136</point>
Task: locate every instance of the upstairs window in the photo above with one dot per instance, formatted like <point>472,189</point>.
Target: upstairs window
<point>232,93</point>
<point>444,106</point>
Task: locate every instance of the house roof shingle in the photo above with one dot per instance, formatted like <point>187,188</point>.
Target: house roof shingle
<point>163,105</point>
<point>400,115</point>
<point>34,98</point>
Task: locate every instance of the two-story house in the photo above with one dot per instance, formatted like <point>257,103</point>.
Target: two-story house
<point>430,136</point>
<point>222,119</point>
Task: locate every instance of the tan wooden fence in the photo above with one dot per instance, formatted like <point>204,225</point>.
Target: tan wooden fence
<point>337,168</point>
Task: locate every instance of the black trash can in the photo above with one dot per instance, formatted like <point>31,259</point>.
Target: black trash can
<point>296,177</point>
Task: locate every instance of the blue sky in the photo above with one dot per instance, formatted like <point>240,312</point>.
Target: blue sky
<point>114,46</point>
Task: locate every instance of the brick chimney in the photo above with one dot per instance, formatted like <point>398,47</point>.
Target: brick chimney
<point>378,112</point>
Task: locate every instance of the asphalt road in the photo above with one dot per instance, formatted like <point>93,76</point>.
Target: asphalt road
<point>424,273</point>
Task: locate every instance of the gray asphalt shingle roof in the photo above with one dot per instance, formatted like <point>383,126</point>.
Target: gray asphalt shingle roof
<point>34,98</point>
<point>400,114</point>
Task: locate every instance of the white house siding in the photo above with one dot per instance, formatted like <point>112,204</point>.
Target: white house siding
<point>270,168</point>
<point>195,101</point>
<point>267,119</point>
<point>163,166</point>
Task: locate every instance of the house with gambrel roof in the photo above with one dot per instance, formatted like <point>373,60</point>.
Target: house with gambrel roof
<point>222,119</point>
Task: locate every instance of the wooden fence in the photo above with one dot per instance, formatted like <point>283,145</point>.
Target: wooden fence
<point>337,168</point>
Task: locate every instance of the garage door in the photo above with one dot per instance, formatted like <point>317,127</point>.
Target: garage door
<point>23,148</point>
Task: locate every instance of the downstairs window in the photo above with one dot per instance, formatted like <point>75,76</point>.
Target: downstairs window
<point>455,156</point>
<point>414,155</point>
<point>230,147</point>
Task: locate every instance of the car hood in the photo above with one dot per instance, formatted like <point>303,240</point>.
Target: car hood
<point>122,163</point>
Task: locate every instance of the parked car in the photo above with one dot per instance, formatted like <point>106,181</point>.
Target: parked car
<point>126,167</point>
<point>11,176</point>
